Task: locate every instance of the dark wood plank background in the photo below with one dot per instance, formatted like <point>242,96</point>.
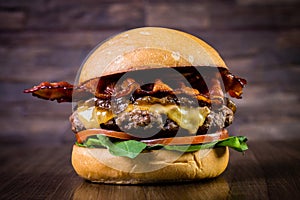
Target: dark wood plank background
<point>48,40</point>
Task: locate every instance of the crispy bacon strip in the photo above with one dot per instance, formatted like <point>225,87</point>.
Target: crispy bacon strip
<point>60,91</point>
<point>63,91</point>
<point>233,85</point>
<point>104,88</point>
<point>216,92</point>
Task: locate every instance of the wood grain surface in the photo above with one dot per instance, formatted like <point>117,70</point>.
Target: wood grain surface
<point>269,170</point>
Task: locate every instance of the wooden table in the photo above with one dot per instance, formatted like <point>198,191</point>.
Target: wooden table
<point>268,170</point>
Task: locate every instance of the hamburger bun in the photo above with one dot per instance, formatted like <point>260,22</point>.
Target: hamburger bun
<point>89,164</point>
<point>149,47</point>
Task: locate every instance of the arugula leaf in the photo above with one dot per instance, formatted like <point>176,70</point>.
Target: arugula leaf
<point>237,143</point>
<point>128,148</point>
<point>190,148</point>
<point>132,148</point>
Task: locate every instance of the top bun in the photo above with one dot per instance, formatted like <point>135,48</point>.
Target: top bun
<point>148,47</point>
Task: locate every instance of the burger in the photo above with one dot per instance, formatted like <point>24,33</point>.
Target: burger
<point>150,105</point>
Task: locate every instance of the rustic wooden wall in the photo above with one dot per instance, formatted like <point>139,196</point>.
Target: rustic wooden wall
<point>48,39</point>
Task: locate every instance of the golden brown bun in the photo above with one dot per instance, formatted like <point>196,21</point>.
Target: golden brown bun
<point>151,167</point>
<point>148,47</point>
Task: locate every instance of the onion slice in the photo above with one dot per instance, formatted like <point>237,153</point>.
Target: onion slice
<point>198,139</point>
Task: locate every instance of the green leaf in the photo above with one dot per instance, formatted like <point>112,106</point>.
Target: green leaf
<point>237,143</point>
<point>80,145</point>
<point>132,148</point>
<point>190,148</point>
<point>129,148</point>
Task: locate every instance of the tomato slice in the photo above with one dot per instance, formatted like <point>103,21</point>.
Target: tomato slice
<point>82,135</point>
<point>198,139</point>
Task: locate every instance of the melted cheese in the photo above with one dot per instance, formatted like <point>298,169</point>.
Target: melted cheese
<point>186,117</point>
<point>87,115</point>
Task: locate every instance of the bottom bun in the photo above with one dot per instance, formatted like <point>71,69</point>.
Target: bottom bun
<point>98,165</point>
